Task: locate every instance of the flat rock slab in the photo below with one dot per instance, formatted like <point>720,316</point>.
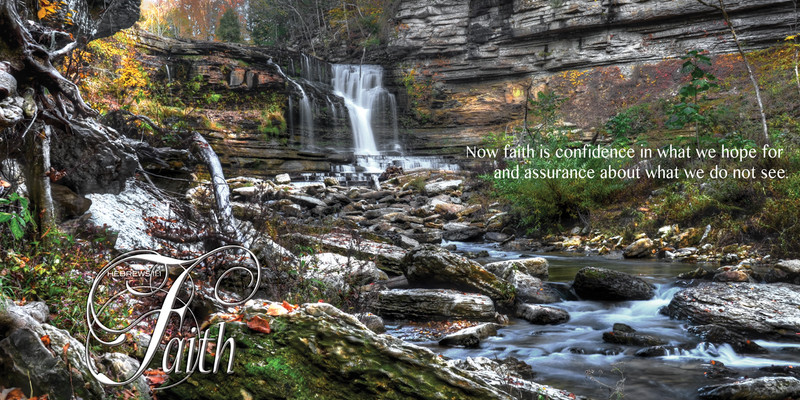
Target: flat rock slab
<point>753,310</point>
<point>429,266</point>
<point>433,304</point>
<point>470,337</point>
<point>767,388</point>
<point>387,257</point>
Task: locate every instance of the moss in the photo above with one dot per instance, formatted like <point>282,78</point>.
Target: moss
<point>319,357</point>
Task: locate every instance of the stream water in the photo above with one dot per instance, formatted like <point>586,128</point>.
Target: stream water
<point>562,354</point>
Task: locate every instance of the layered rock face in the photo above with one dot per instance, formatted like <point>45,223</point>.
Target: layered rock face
<point>484,55</point>
<point>239,127</point>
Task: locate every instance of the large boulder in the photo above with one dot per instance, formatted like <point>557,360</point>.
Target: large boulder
<point>784,271</point>
<point>766,388</point>
<point>387,257</point>
<point>542,315</point>
<point>639,248</point>
<point>321,352</point>
<point>593,283</point>
<point>530,289</point>
<point>433,266</point>
<point>535,266</point>
<point>753,310</point>
<point>341,273</point>
<point>458,231</point>
<point>39,355</point>
<point>433,304</point>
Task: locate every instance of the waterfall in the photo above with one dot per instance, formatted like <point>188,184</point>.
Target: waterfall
<point>306,115</point>
<point>222,193</point>
<point>365,98</point>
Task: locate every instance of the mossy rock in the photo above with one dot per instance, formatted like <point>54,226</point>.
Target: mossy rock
<point>321,352</point>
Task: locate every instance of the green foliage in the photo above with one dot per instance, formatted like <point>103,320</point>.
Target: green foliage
<point>229,29</point>
<point>53,269</point>
<point>419,83</point>
<point>545,109</point>
<point>632,121</point>
<point>688,110</point>
<point>17,216</point>
<point>542,203</point>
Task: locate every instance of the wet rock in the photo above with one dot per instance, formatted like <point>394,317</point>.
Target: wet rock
<point>652,351</point>
<point>767,388</point>
<point>430,265</point>
<point>372,322</point>
<point>469,337</point>
<point>497,237</point>
<point>784,271</point>
<point>752,310</point>
<point>435,188</point>
<point>605,284</point>
<point>718,335</point>
<point>731,276</point>
<point>529,289</point>
<point>638,249</point>
<point>283,179</point>
<point>506,376</point>
<point>542,315</point>
<point>536,266</point>
<point>625,335</point>
<point>456,231</point>
<point>697,273</point>
<point>426,236</point>
<point>433,304</point>
<point>314,347</point>
<point>717,370</point>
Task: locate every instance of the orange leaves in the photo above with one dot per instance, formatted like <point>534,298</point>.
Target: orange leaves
<point>258,324</point>
<point>288,306</point>
<point>45,340</point>
<point>155,377</point>
<point>48,7</point>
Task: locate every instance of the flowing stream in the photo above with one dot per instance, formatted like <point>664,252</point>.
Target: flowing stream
<point>562,354</point>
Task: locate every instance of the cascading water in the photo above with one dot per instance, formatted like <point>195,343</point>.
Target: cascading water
<point>306,114</point>
<point>361,87</point>
<point>371,111</point>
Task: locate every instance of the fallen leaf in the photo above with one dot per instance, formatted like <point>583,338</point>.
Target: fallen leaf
<point>155,377</point>
<point>16,394</point>
<point>275,310</point>
<point>45,340</point>
<point>259,324</point>
<point>288,306</point>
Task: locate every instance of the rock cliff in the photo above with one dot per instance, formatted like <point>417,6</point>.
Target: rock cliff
<point>481,56</point>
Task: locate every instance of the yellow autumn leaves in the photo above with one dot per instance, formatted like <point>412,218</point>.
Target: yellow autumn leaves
<point>48,8</point>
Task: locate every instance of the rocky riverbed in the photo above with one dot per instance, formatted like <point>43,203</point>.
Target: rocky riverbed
<point>432,265</point>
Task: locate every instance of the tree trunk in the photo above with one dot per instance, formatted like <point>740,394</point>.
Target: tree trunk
<point>37,165</point>
<point>747,65</point>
